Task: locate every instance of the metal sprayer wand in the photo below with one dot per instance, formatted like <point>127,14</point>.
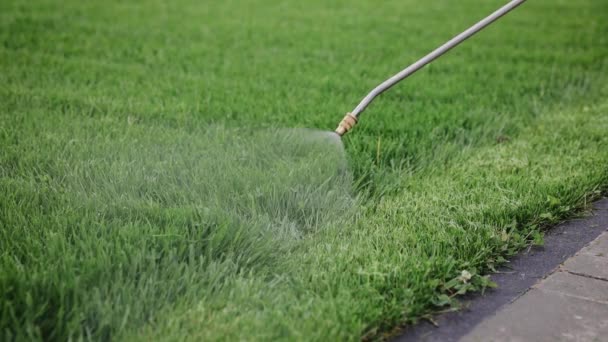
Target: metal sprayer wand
<point>351,118</point>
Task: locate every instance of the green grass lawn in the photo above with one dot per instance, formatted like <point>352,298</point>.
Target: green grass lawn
<point>148,192</point>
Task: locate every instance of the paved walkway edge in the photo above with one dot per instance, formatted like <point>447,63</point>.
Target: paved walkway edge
<point>571,304</point>
<point>524,271</point>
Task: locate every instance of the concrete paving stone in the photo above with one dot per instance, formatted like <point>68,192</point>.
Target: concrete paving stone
<point>545,316</point>
<point>588,264</point>
<point>599,247</point>
<point>577,286</point>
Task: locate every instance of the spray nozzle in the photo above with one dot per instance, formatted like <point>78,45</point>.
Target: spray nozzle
<point>346,124</point>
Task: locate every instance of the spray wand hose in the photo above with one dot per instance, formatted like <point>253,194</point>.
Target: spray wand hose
<point>351,118</point>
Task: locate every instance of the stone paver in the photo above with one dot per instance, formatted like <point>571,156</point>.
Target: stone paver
<point>599,247</point>
<point>577,286</point>
<point>569,305</point>
<point>545,316</point>
<point>588,265</point>
<point>592,260</point>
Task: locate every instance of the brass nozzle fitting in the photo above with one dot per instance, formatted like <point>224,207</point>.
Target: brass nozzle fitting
<point>346,124</point>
